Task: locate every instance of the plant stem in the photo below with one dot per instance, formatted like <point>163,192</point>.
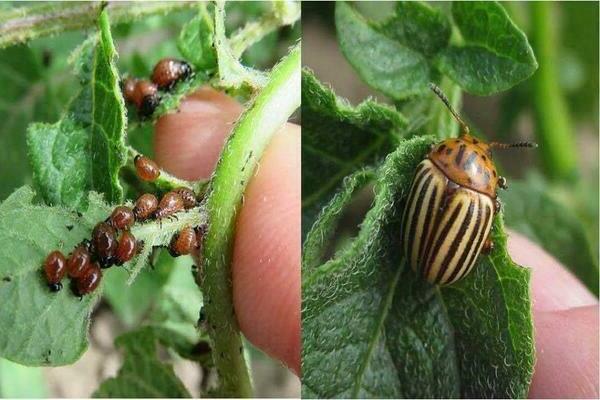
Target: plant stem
<point>282,13</point>
<point>269,111</point>
<point>22,24</point>
<point>554,130</point>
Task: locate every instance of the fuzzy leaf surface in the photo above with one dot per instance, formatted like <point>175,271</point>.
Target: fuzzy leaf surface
<point>142,374</point>
<point>382,62</point>
<point>196,41</point>
<point>372,328</point>
<point>41,327</point>
<point>496,55</point>
<point>418,25</point>
<point>85,150</point>
<point>338,139</point>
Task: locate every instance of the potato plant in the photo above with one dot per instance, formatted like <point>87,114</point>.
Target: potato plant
<point>72,139</point>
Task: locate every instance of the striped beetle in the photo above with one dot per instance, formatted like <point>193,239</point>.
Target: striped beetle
<point>451,205</point>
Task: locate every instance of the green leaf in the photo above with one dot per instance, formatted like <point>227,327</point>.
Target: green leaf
<point>18,381</point>
<point>131,302</point>
<point>322,231</point>
<point>532,212</point>
<point>496,55</point>
<point>24,96</point>
<point>40,327</point>
<point>338,139</point>
<point>176,307</point>
<point>32,331</point>
<point>372,328</point>
<point>491,310</point>
<point>418,25</point>
<point>142,374</point>
<point>232,74</point>
<point>84,150</point>
<point>382,62</point>
<point>196,41</point>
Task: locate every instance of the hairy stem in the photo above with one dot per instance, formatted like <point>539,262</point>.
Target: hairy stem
<point>19,25</point>
<point>269,111</point>
<point>554,131</point>
<point>282,13</point>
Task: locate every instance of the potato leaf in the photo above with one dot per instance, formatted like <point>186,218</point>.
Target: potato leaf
<point>33,331</point>
<point>40,327</point>
<point>496,54</point>
<point>338,139</point>
<point>142,374</point>
<point>372,328</point>
<point>84,150</point>
<point>196,41</point>
<point>381,61</point>
<point>418,25</point>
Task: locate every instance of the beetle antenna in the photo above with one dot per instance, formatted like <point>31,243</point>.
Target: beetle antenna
<point>512,145</point>
<point>464,128</point>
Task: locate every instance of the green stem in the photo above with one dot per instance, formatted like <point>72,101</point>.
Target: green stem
<point>282,13</point>
<point>22,24</point>
<point>269,111</point>
<point>554,131</point>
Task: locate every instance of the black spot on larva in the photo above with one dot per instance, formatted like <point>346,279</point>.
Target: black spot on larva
<point>214,327</point>
<point>483,157</point>
<point>448,151</point>
<point>441,148</point>
<point>222,355</point>
<point>495,174</point>
<point>241,349</point>
<point>7,279</point>
<point>475,141</point>
<point>69,227</point>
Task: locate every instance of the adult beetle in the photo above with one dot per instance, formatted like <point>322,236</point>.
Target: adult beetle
<point>451,205</point>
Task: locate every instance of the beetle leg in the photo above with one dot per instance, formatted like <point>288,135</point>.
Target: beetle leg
<point>488,246</point>
<point>502,183</point>
<point>497,206</point>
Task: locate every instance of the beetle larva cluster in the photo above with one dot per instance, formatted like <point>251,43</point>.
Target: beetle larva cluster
<point>448,216</point>
<point>107,247</point>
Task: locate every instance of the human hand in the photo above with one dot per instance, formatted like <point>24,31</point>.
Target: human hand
<point>266,256</point>
<point>565,316</point>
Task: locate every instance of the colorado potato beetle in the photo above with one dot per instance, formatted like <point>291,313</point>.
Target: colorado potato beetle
<point>452,201</point>
<point>126,249</point>
<point>88,281</point>
<point>78,261</point>
<point>104,244</point>
<point>55,267</point>
<point>145,98</point>
<point>145,206</point>
<point>188,196</point>
<point>122,218</point>
<point>183,242</point>
<point>128,88</point>
<point>146,168</point>
<point>169,204</point>
<point>168,71</point>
